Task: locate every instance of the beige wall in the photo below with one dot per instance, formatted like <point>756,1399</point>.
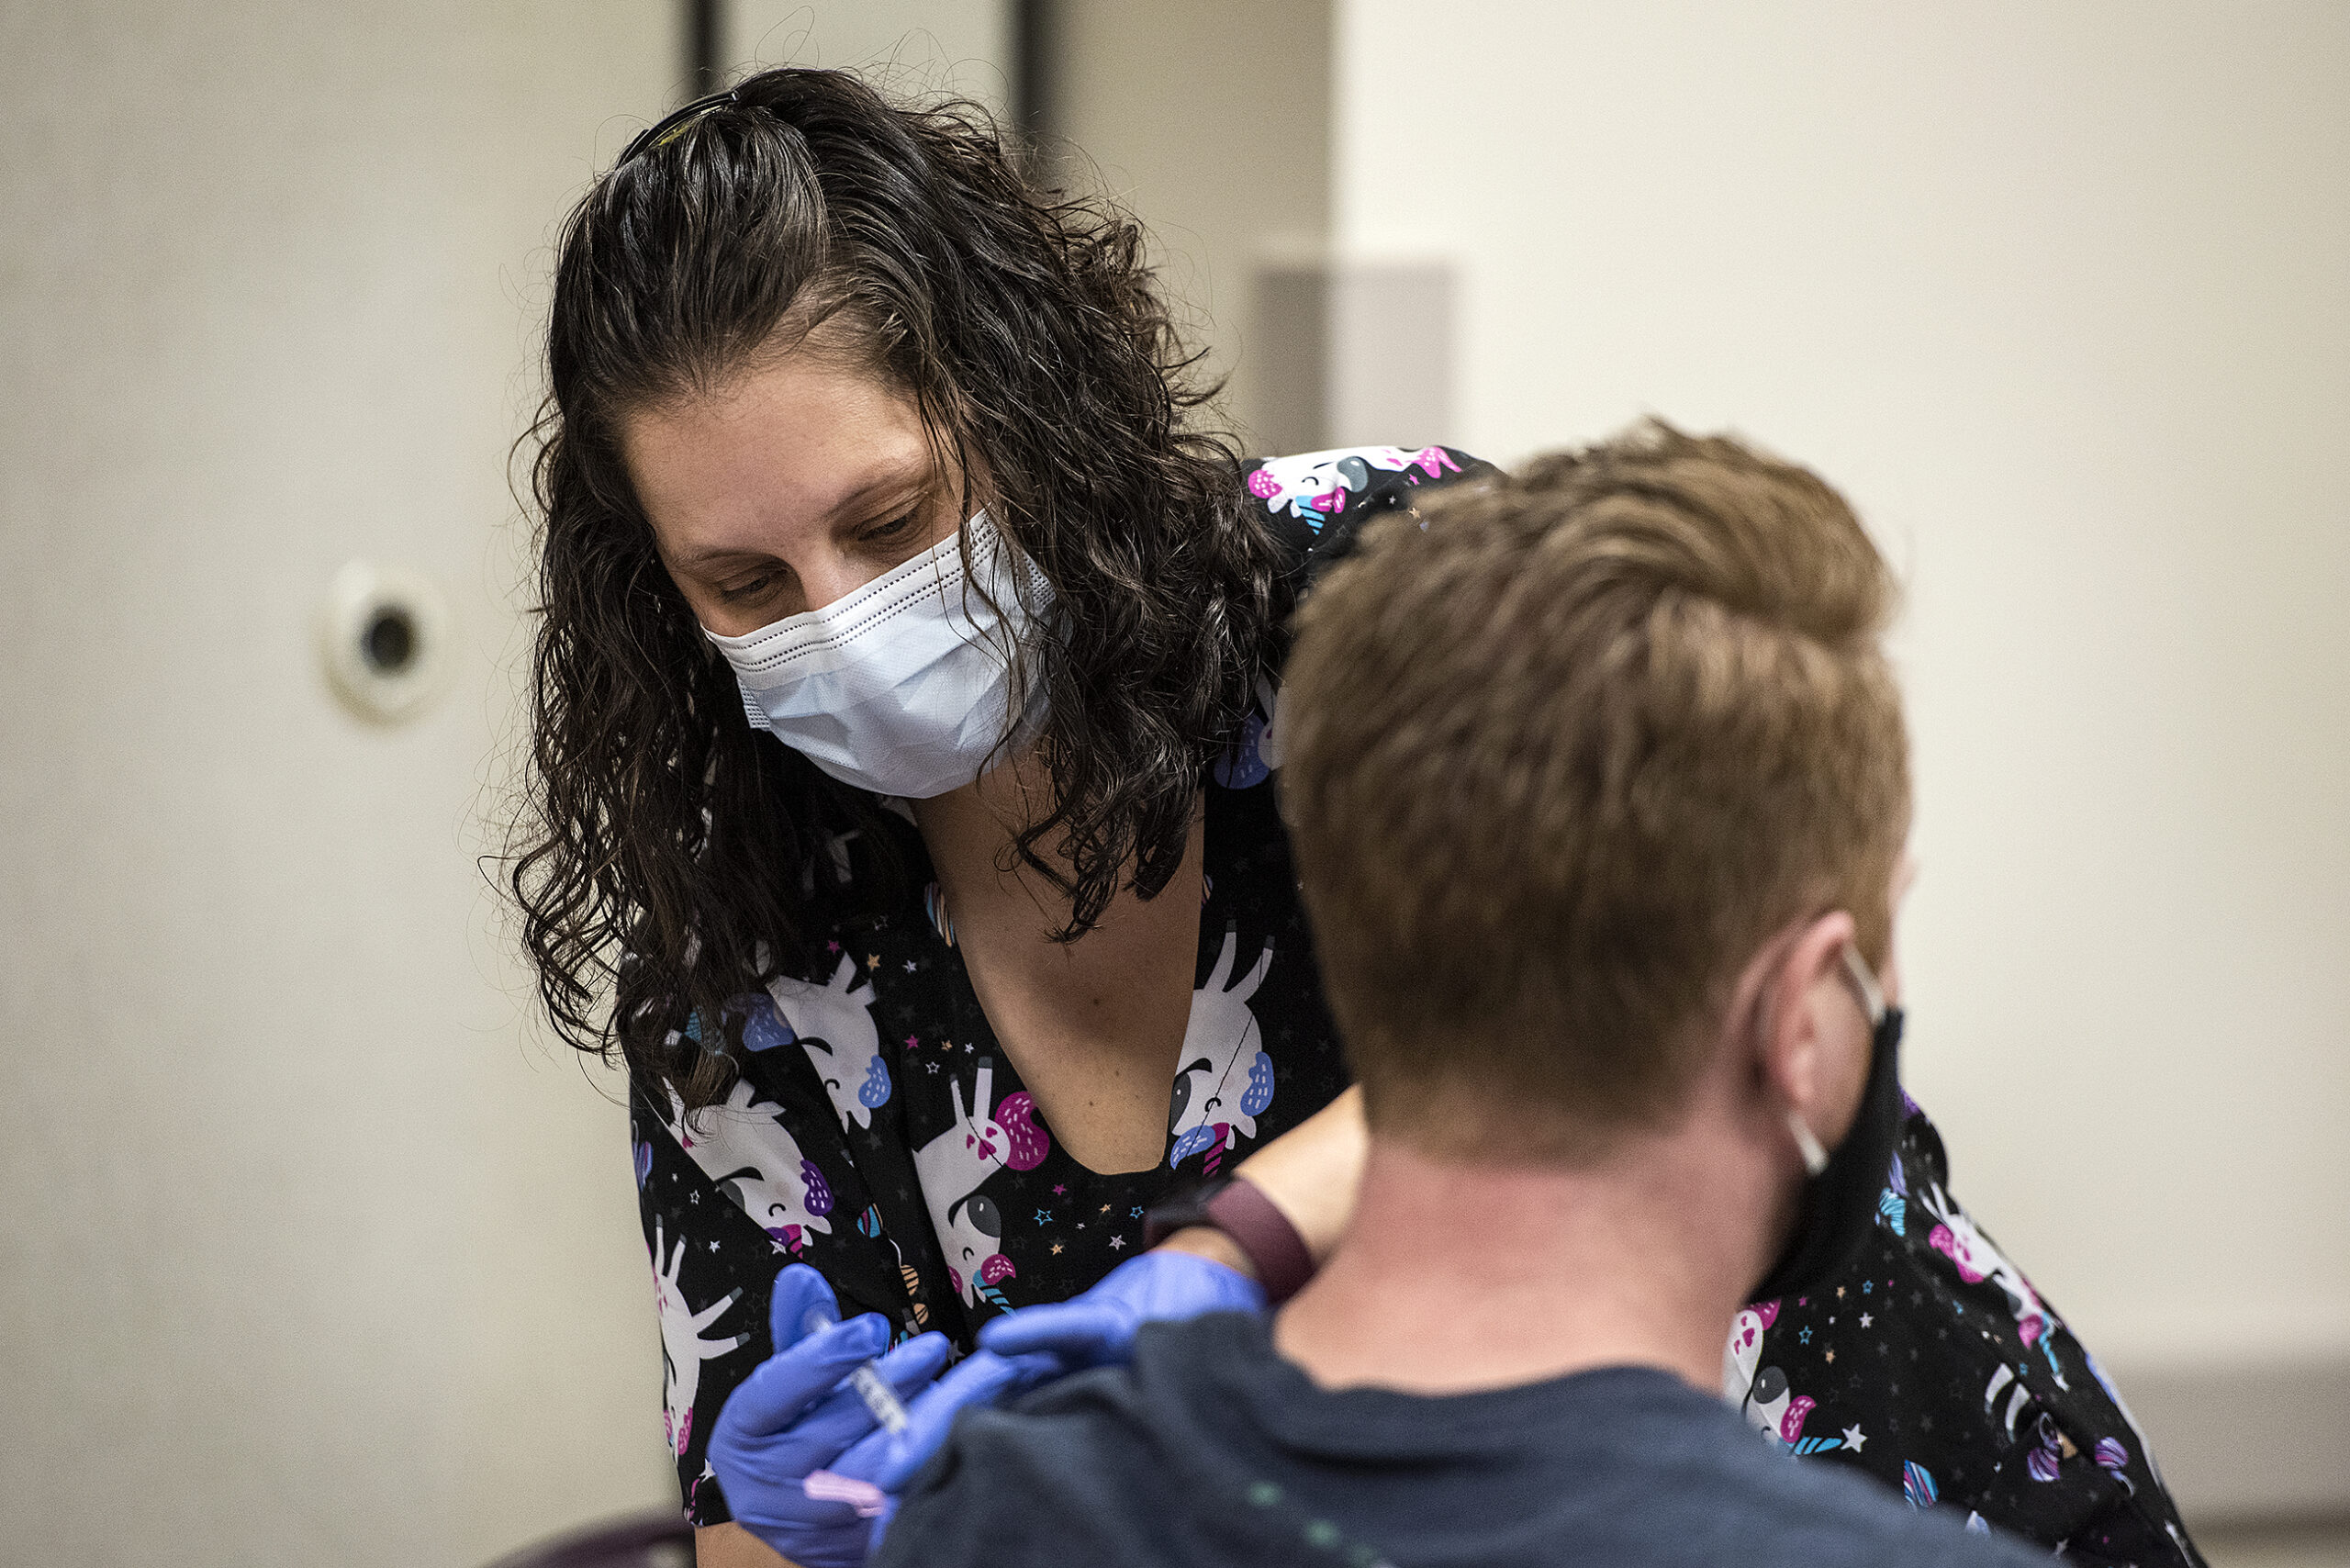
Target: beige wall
<point>2060,295</point>
<point>1211,120</point>
<point>310,1252</point>
<point>914,47</point>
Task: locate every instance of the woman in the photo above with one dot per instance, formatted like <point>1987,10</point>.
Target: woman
<point>960,926</point>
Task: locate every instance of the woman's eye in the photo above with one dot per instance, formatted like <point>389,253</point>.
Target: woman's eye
<point>896,528</point>
<point>750,589</point>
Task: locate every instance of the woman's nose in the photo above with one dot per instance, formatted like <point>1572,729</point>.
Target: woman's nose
<point>833,576</point>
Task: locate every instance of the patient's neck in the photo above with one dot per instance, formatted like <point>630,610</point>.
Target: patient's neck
<point>1454,1277</point>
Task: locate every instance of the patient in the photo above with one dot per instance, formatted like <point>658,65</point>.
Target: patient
<point>1599,788</point>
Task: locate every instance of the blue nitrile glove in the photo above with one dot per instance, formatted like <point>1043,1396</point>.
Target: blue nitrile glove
<point>796,1414</point>
<point>891,1462</point>
<point>1036,1343</point>
<point>1098,1327</point>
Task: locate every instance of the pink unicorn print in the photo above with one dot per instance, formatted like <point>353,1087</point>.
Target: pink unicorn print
<point>1314,486</point>
<point>953,1166</point>
<point>684,1347</point>
<point>755,1160</point>
<point>1225,1080</point>
<point>1977,1260</point>
<point>1761,1395</point>
<point>834,1023</point>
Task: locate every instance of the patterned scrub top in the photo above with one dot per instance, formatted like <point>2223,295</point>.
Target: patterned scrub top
<point>878,1132</point>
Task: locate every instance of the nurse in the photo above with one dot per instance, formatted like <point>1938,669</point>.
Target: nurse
<point>905,699</point>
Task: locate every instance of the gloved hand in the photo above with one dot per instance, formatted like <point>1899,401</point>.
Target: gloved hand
<point>796,1414</point>
<point>889,1462</point>
<point>1097,1329</point>
<point>1036,1343</point>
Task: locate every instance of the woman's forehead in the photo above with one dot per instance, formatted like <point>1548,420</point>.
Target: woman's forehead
<point>799,440</point>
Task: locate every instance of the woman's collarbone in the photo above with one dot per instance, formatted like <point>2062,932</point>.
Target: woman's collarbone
<point>1093,1027</point>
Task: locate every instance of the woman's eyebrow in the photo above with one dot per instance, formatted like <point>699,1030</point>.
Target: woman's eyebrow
<point>907,477</point>
<point>712,555</point>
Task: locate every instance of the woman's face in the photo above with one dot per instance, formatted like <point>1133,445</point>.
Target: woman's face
<point>794,484</point>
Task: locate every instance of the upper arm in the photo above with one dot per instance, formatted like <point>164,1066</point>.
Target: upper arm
<point>1310,1172</point>
<point>712,1273</point>
<point>714,1267</point>
<point>731,1546</point>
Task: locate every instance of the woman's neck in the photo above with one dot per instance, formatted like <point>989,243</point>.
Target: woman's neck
<point>969,832</point>
<point>1094,1026</point>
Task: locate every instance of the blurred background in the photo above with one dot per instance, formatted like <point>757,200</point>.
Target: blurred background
<point>314,1247</point>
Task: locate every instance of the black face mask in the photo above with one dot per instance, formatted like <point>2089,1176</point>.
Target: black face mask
<point>1840,1200</point>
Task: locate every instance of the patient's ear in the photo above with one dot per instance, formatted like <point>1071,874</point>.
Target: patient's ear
<point>1813,1034</point>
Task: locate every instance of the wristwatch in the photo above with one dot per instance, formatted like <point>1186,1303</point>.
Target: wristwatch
<point>1238,1207</point>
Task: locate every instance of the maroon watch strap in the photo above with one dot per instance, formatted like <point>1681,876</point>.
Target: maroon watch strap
<point>1243,1212</point>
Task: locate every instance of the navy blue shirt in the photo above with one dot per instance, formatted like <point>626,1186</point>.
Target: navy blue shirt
<point>1213,1451</point>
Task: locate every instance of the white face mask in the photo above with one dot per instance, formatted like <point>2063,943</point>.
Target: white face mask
<point>904,687</point>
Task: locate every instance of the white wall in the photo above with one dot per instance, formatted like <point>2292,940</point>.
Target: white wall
<point>309,1253</point>
<point>912,48</point>
<point>1210,119</point>
<point>2061,296</point>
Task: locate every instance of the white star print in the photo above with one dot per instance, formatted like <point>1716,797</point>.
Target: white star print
<point>1854,1438</point>
<point>1864,1320</point>
<point>1116,1242</point>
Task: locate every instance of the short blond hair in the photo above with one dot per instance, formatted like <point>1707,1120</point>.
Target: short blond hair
<point>1561,760</point>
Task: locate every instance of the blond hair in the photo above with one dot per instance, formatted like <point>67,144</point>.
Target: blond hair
<point>1561,760</point>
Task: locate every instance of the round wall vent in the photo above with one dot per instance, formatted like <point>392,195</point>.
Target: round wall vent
<point>386,636</point>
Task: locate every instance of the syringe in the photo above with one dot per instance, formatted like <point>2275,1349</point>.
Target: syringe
<point>880,1398</point>
<point>824,1486</point>
<point>867,1379</point>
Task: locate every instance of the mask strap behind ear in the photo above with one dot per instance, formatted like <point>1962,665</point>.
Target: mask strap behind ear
<point>1815,1154</point>
<point>1872,993</point>
<point>1807,1144</point>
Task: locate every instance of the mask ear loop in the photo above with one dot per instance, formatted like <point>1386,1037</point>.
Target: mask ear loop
<point>1865,980</point>
<point>1815,1154</point>
<point>1856,969</point>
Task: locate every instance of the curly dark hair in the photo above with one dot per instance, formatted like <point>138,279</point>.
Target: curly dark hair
<point>669,857</point>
